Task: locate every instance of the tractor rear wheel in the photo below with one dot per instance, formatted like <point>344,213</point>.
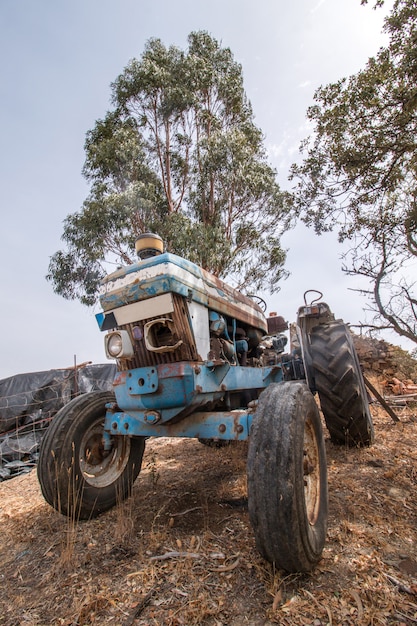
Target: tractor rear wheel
<point>78,476</point>
<point>339,382</point>
<point>287,477</point>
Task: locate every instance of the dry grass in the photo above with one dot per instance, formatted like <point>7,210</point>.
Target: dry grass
<point>181,550</point>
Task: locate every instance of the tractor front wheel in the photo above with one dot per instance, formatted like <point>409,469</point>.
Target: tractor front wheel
<point>79,475</point>
<point>287,477</point>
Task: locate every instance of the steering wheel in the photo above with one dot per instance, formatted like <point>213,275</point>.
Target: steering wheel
<point>259,301</point>
<point>319,295</point>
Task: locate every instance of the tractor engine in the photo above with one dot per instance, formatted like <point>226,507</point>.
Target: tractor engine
<point>165,309</point>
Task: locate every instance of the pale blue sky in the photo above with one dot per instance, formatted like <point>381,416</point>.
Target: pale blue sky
<point>58,58</point>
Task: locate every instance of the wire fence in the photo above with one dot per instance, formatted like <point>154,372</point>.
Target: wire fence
<point>28,403</point>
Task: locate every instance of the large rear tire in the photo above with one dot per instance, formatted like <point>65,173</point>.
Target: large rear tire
<point>339,381</point>
<point>287,477</point>
<point>77,475</point>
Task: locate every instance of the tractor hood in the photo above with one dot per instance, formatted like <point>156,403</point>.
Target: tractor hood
<point>168,273</point>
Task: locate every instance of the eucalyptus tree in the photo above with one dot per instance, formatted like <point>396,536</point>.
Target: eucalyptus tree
<point>179,154</point>
<point>359,172</point>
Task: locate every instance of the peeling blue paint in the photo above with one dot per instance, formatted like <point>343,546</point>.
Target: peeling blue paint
<point>232,425</point>
<point>177,389</point>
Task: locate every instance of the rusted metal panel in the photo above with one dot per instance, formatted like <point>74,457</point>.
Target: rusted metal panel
<point>231,302</point>
<point>187,351</point>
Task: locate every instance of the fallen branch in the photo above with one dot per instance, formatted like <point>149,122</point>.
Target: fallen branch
<point>226,568</point>
<point>175,555</point>
<point>402,617</point>
<point>320,606</point>
<point>195,508</point>
<point>139,608</point>
<point>402,586</point>
<point>359,604</point>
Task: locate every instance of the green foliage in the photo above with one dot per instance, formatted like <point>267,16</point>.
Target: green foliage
<point>359,173</point>
<point>179,155</point>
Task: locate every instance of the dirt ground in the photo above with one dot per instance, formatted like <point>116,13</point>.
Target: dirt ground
<point>181,550</point>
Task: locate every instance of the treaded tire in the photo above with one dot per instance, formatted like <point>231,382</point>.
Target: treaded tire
<point>287,477</point>
<point>77,476</point>
<point>339,382</point>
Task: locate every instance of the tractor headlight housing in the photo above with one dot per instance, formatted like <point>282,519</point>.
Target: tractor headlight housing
<point>118,345</point>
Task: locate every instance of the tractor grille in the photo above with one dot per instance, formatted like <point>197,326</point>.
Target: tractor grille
<point>185,352</point>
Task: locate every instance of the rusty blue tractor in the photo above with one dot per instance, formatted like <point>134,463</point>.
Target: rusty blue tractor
<point>197,358</point>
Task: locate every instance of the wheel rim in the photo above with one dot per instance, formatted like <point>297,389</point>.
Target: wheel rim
<point>311,473</point>
<point>100,467</point>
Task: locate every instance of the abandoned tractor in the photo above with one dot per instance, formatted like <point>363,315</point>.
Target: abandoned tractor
<point>196,358</point>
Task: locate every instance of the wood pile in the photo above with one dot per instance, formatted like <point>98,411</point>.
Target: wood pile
<point>400,393</point>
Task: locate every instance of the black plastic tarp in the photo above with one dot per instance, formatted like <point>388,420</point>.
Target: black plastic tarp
<point>29,401</point>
